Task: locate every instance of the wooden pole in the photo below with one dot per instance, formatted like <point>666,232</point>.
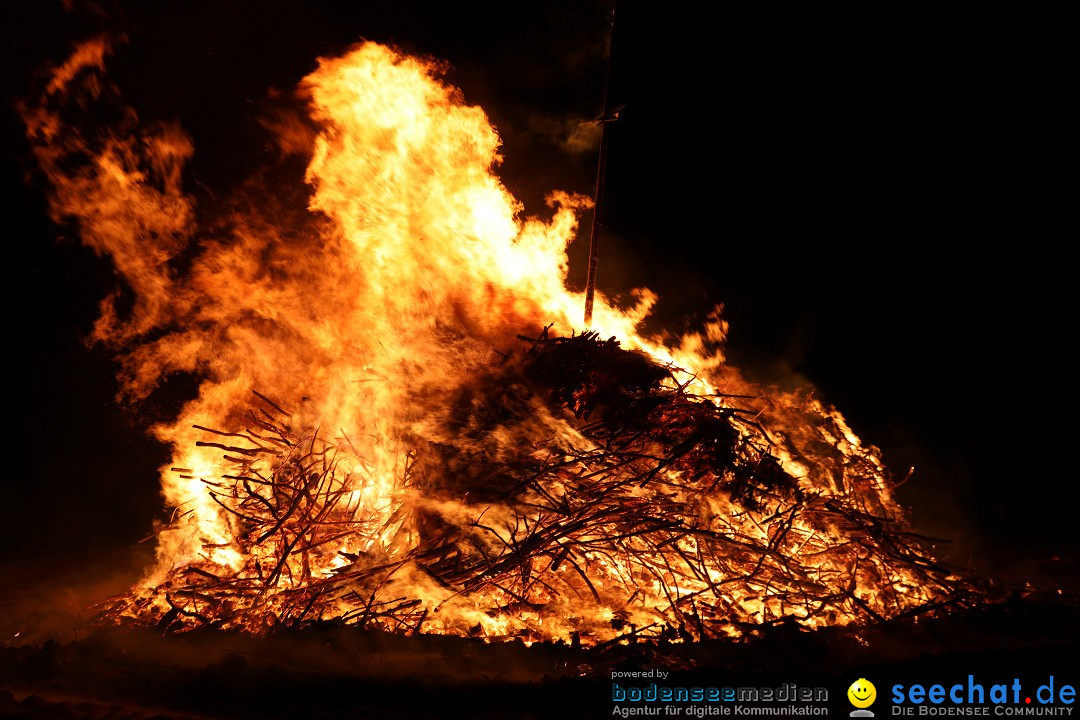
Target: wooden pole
<point>598,196</point>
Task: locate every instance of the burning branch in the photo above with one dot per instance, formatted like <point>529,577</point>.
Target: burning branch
<point>668,515</point>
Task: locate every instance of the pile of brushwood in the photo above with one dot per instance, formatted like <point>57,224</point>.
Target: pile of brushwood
<point>578,491</point>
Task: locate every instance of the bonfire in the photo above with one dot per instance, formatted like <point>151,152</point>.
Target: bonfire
<point>400,424</point>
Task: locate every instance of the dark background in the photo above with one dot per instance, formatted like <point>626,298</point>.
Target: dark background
<point>877,199</point>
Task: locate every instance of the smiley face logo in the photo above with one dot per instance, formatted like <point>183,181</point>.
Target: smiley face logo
<point>862,693</point>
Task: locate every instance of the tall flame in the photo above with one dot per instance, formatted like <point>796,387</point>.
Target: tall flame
<point>412,273</point>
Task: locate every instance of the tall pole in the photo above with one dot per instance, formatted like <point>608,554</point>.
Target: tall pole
<point>598,197</point>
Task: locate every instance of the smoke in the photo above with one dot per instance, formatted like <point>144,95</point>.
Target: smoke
<point>573,135</point>
<point>56,600</point>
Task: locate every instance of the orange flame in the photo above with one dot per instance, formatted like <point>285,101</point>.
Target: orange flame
<point>413,271</point>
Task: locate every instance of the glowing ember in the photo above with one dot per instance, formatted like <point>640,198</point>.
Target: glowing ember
<point>373,443</point>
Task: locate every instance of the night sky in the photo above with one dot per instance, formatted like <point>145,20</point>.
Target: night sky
<point>876,199</point>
